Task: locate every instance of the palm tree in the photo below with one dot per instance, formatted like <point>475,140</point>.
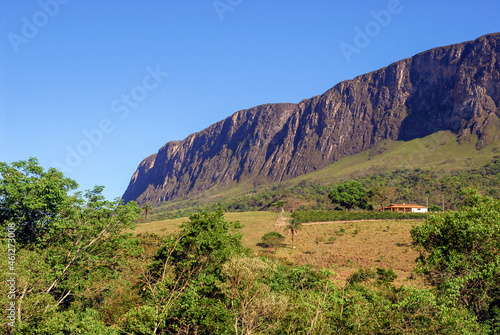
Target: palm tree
<point>293,228</point>
<point>147,209</point>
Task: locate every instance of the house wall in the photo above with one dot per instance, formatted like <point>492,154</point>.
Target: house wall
<point>407,210</point>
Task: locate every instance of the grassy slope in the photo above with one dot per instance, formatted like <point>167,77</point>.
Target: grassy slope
<point>439,152</point>
<point>384,244</point>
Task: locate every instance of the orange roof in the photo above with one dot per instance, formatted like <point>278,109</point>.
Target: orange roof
<point>405,206</point>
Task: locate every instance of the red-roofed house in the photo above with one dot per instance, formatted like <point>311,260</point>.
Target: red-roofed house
<point>406,208</point>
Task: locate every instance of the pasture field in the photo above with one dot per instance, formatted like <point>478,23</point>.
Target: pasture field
<point>343,247</point>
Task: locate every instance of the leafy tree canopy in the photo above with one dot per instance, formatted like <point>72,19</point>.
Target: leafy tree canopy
<point>195,258</point>
<point>349,195</point>
<point>206,240</point>
<point>63,243</point>
<point>460,254</point>
<point>272,239</point>
<point>33,199</point>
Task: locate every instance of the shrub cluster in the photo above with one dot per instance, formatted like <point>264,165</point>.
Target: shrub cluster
<point>325,216</point>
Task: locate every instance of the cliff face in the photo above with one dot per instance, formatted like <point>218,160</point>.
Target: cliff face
<point>453,88</point>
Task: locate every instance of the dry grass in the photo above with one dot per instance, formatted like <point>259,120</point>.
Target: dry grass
<point>255,224</point>
<point>161,227</point>
<point>352,246</point>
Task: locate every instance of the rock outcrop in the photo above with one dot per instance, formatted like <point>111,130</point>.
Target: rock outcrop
<point>453,88</point>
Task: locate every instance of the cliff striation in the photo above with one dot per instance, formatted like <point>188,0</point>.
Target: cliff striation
<point>453,88</point>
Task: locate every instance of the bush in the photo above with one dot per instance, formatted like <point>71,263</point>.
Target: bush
<point>324,216</point>
<point>272,240</point>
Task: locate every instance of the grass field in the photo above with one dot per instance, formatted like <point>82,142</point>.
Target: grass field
<point>355,245</point>
<point>346,246</point>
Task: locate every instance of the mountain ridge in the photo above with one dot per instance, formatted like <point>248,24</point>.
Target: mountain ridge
<point>455,87</point>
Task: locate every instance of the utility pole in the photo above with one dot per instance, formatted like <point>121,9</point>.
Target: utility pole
<point>443,203</point>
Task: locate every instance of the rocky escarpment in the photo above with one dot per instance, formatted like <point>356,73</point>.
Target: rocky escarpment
<point>453,88</point>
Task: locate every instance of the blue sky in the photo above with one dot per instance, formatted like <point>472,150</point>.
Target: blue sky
<point>93,87</point>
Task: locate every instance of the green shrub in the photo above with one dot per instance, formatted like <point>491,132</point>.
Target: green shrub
<point>324,216</point>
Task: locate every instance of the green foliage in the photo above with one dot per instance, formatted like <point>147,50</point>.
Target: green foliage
<point>293,229</point>
<point>435,208</point>
<point>206,241</point>
<point>386,186</point>
<point>360,276</point>
<point>186,272</point>
<point>460,254</point>
<point>63,243</point>
<point>385,277</point>
<point>255,307</point>
<point>360,309</point>
<point>78,273</point>
<point>74,322</point>
<point>33,199</point>
<point>272,239</point>
<point>290,278</point>
<point>325,216</point>
<point>380,195</point>
<point>349,195</point>
<point>417,311</point>
<point>382,276</point>
<point>141,320</point>
<point>146,208</point>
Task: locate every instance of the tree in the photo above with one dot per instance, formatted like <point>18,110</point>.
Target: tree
<point>349,195</point>
<point>435,208</point>
<point>146,208</point>
<point>460,254</point>
<point>33,199</point>
<point>272,240</point>
<point>380,195</point>
<point>63,242</point>
<point>279,204</point>
<point>190,264</point>
<point>206,241</point>
<point>293,228</point>
<point>254,306</point>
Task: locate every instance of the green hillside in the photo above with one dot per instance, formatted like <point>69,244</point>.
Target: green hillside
<point>439,152</point>
<point>438,157</point>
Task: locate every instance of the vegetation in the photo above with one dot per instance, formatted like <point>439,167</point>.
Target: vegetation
<point>429,170</point>
<point>398,186</point>
<point>346,246</point>
<point>80,270</point>
<point>461,257</point>
<point>293,229</point>
<point>349,195</point>
<point>63,248</point>
<point>325,216</point>
<point>272,240</point>
<point>146,208</point>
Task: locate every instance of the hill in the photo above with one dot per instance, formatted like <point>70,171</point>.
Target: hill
<point>454,88</point>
